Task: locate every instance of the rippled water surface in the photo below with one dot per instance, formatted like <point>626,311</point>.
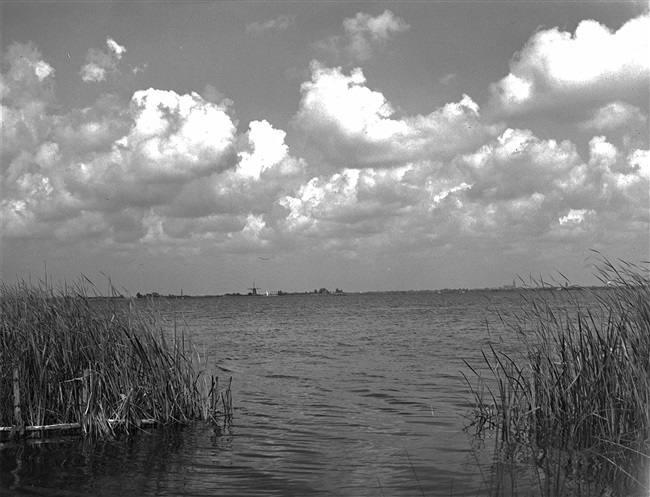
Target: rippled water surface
<point>356,395</point>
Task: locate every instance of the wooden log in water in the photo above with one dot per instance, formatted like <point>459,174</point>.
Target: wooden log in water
<point>65,427</point>
<point>62,427</point>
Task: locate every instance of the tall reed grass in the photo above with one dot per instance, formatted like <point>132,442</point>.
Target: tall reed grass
<point>571,414</point>
<point>98,364</point>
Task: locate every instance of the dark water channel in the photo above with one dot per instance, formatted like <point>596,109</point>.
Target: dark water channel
<point>354,395</point>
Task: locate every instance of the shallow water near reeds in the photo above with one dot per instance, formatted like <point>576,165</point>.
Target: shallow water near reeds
<point>358,394</point>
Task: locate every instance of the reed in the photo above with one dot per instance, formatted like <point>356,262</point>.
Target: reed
<point>101,366</point>
<point>574,406</point>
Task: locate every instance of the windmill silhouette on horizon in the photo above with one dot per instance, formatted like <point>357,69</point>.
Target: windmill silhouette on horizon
<point>254,289</point>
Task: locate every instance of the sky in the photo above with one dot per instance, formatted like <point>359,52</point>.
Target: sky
<point>206,147</point>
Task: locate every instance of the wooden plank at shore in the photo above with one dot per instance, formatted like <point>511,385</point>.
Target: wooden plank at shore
<point>73,426</point>
<point>63,426</point>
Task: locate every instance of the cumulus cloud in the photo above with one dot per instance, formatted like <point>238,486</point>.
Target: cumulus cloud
<point>364,35</point>
<point>574,216</point>
<point>518,191</point>
<point>280,23</point>
<point>174,136</point>
<point>356,197</point>
<point>364,31</point>
<point>213,95</point>
<point>26,71</point>
<point>104,167</point>
<point>262,172</point>
<point>523,186</point>
<point>27,90</point>
<point>615,115</point>
<point>101,63</point>
<point>264,149</point>
<point>354,126</point>
<point>518,164</point>
<point>170,172</point>
<point>594,65</point>
<point>143,155</point>
<point>160,169</point>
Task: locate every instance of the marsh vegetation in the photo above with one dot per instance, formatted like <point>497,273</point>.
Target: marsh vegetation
<point>69,361</point>
<point>571,414</point>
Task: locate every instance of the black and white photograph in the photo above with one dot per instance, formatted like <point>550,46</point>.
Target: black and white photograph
<point>338,248</point>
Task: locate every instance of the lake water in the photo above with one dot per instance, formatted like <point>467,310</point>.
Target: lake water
<point>358,394</point>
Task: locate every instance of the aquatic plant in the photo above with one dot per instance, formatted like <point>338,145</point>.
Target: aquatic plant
<point>67,360</point>
<point>571,413</point>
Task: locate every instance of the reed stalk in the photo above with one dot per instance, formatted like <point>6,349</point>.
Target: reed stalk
<point>575,405</point>
<point>97,365</point>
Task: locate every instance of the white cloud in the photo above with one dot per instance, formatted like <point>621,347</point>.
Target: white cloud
<point>319,200</point>
<point>574,216</point>
<point>615,115</point>
<point>364,35</point>
<point>104,167</point>
<point>100,63</point>
<point>280,23</point>
<point>354,125</point>
<point>114,47</point>
<point>169,172</point>
<point>639,160</point>
<point>525,187</point>
<point>364,32</point>
<point>254,229</point>
<point>93,72</point>
<point>447,193</point>
<point>43,70</point>
<point>27,99</point>
<point>268,149</point>
<point>593,65</point>
<point>28,79</point>
<point>518,164</point>
<point>174,136</point>
<point>160,169</point>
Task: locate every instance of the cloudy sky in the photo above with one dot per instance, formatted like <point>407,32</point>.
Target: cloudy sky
<point>360,145</point>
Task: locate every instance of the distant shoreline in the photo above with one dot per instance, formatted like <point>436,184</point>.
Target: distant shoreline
<point>545,288</point>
